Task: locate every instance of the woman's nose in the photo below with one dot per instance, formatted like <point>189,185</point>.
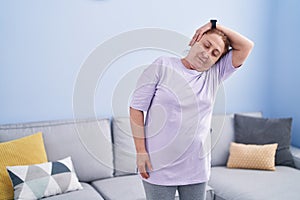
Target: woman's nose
<point>205,54</point>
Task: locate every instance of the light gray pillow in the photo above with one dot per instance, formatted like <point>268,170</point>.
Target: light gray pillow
<point>222,134</point>
<point>124,149</point>
<point>252,130</point>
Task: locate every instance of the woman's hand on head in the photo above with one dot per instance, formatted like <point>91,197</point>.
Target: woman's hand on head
<point>143,164</point>
<point>199,33</point>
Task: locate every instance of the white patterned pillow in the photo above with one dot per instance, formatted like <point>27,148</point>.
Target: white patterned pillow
<point>42,180</point>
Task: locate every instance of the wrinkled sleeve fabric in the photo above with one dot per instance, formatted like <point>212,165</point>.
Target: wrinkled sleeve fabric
<point>146,86</point>
<point>224,67</point>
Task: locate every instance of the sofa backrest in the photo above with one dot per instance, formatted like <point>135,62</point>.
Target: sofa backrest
<point>124,149</point>
<point>88,142</point>
<point>222,134</point>
<point>90,146</point>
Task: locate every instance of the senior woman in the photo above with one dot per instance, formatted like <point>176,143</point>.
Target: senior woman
<point>178,95</point>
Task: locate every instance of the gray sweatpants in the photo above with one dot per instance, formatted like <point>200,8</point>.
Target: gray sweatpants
<point>186,192</point>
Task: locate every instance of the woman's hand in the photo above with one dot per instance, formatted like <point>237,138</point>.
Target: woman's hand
<point>199,33</point>
<point>137,126</point>
<point>143,163</point>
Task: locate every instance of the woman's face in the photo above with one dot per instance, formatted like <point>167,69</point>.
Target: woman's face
<point>205,53</point>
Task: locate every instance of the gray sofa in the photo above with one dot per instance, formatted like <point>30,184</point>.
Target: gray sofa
<point>103,154</point>
<point>244,184</point>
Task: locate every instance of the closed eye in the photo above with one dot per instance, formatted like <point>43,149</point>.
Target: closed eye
<point>206,45</point>
<point>216,53</point>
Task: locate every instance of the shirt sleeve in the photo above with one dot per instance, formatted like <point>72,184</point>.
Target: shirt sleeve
<point>146,86</point>
<point>225,67</point>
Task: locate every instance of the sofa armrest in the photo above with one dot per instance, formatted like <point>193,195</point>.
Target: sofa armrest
<point>296,155</point>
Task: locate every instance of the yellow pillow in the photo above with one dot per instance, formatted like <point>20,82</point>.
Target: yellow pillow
<point>24,151</point>
<point>252,156</point>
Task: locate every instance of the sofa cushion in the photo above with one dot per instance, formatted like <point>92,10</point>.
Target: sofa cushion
<point>222,135</point>
<point>87,141</point>
<point>252,130</point>
<point>129,188</point>
<point>123,187</point>
<point>23,151</point>
<point>88,192</point>
<point>255,184</point>
<point>249,156</point>
<point>43,180</point>
<point>124,149</point>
